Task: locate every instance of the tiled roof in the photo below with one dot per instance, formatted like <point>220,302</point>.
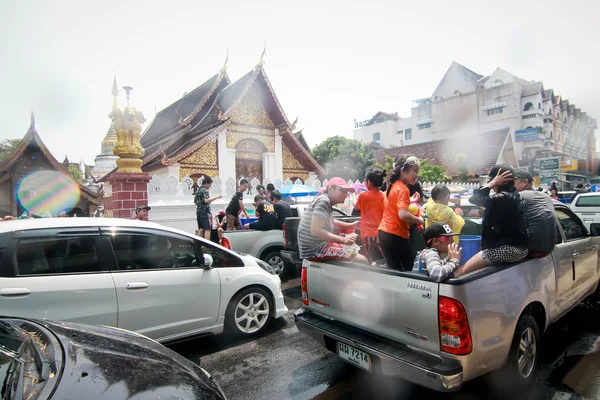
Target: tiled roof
<point>482,151</point>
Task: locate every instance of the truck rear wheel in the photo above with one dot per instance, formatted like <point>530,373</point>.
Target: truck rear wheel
<point>519,372</point>
<point>276,262</point>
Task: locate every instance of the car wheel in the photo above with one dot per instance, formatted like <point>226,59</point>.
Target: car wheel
<point>249,312</point>
<point>519,372</point>
<point>276,262</point>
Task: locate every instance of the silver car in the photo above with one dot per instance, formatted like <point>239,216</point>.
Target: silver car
<point>157,281</point>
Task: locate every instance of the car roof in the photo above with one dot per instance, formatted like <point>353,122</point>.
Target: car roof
<point>589,194</point>
<point>41,223</point>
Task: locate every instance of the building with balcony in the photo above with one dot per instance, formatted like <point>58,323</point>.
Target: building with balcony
<point>465,103</point>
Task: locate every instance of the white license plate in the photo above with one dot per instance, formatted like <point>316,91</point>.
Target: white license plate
<point>354,356</point>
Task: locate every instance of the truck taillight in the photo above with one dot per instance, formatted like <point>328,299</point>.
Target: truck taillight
<point>455,334</point>
<point>225,243</point>
<point>284,235</point>
<point>303,285</point>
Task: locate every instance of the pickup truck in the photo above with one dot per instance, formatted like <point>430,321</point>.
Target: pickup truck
<point>267,245</point>
<point>439,335</point>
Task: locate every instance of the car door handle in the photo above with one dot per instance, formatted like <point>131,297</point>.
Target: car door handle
<point>15,292</point>
<point>136,285</point>
<point>576,254</point>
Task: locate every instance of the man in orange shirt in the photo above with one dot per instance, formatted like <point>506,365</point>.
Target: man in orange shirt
<point>393,230</point>
<point>371,204</point>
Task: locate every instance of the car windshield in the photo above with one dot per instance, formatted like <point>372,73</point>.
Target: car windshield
<point>24,355</point>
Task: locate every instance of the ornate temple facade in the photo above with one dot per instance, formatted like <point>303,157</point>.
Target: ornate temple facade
<point>227,131</point>
<point>106,161</point>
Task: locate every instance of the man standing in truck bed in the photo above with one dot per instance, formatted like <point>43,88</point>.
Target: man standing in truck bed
<point>316,240</point>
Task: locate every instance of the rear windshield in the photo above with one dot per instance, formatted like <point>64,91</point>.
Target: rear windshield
<point>588,201</point>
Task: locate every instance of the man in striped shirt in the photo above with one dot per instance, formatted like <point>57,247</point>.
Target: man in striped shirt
<point>438,239</point>
<point>316,240</point>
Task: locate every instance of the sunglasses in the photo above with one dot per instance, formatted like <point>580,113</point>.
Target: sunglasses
<point>343,190</point>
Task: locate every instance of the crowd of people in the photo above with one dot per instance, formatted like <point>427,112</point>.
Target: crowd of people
<point>389,229</point>
<point>30,215</point>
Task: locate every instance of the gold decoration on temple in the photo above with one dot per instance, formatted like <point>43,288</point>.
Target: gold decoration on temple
<point>235,136</point>
<point>189,171</point>
<point>288,174</point>
<point>289,161</point>
<point>251,111</point>
<point>205,155</point>
<point>128,124</point>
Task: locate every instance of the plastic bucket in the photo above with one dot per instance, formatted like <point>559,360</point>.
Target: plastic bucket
<point>471,245</point>
<point>245,221</point>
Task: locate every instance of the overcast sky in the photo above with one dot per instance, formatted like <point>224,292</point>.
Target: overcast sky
<point>329,61</point>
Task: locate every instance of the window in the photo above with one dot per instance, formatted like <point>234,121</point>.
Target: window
<point>221,258</point>
<point>408,134</point>
<point>565,120</point>
<point>425,126</point>
<point>528,106</point>
<point>151,251</point>
<point>493,111</point>
<point>571,225</point>
<point>588,201</point>
<point>63,255</point>
<point>376,136</point>
<point>400,132</point>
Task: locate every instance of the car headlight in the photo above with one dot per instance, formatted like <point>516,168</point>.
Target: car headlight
<point>265,266</point>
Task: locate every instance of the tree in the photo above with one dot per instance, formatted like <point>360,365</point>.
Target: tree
<point>461,166</point>
<point>75,173</point>
<point>7,146</point>
<point>388,166</point>
<point>343,157</point>
<point>431,173</point>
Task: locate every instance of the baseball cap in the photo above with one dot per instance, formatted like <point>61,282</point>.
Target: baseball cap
<point>437,230</point>
<point>222,212</point>
<point>523,175</point>
<point>140,208</point>
<point>339,182</point>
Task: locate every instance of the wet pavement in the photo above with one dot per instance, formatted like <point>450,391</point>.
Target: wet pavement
<point>282,363</point>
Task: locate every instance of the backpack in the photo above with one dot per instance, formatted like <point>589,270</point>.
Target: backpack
<point>539,220</point>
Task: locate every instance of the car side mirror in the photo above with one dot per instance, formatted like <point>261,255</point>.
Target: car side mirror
<point>595,230</point>
<point>208,261</point>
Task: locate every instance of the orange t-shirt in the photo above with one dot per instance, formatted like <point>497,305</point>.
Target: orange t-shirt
<point>398,199</point>
<point>370,204</point>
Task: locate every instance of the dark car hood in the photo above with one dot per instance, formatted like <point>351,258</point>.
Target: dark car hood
<point>108,363</point>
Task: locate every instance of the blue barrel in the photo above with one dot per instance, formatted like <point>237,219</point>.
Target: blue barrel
<point>471,245</point>
<point>245,221</point>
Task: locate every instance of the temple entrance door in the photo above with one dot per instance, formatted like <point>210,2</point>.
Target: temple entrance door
<point>248,160</point>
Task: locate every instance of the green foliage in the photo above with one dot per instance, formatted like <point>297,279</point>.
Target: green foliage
<point>75,173</point>
<point>431,173</point>
<point>461,166</point>
<point>388,166</point>
<point>343,157</point>
<point>7,146</point>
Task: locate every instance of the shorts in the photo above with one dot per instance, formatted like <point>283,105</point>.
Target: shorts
<point>371,249</point>
<point>505,254</point>
<point>333,251</point>
<point>260,226</point>
<point>233,222</point>
<point>204,219</point>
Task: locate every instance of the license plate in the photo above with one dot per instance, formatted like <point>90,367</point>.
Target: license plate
<point>354,356</point>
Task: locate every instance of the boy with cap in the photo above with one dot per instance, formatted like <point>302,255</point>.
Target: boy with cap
<point>141,213</point>
<point>438,239</point>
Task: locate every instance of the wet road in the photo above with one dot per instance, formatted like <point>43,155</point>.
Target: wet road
<point>282,363</point>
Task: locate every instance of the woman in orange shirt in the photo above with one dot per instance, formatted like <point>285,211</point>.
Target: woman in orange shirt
<point>370,204</point>
<point>393,230</point>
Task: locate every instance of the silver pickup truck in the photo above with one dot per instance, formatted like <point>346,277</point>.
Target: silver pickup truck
<point>439,335</point>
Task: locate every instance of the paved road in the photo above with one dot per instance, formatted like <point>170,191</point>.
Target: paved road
<point>282,363</point>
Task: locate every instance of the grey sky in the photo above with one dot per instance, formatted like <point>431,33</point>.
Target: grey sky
<point>329,61</point>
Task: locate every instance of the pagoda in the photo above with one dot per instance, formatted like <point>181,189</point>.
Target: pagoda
<point>106,161</point>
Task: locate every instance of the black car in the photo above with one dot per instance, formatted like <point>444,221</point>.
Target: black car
<point>43,359</point>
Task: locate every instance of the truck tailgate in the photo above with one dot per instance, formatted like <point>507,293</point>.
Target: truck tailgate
<point>376,300</point>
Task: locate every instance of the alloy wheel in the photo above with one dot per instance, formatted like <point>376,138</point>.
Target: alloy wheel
<point>277,264</point>
<point>527,353</point>
<point>251,313</point>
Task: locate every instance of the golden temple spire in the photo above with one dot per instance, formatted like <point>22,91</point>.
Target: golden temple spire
<point>115,90</point>
<point>32,125</point>
<point>262,56</point>
<point>225,63</point>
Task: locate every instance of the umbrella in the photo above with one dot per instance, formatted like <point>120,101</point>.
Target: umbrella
<point>297,191</point>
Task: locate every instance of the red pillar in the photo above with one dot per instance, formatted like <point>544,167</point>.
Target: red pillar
<point>129,190</point>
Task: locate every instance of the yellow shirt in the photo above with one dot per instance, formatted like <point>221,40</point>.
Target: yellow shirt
<point>437,212</point>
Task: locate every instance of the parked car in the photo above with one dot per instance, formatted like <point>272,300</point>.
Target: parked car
<point>43,359</point>
<point>267,245</point>
<point>587,207</point>
<point>566,197</point>
<point>140,276</point>
<point>439,335</point>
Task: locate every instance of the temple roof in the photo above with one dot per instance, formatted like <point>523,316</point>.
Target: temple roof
<point>483,152</point>
<point>184,126</point>
<point>33,139</point>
